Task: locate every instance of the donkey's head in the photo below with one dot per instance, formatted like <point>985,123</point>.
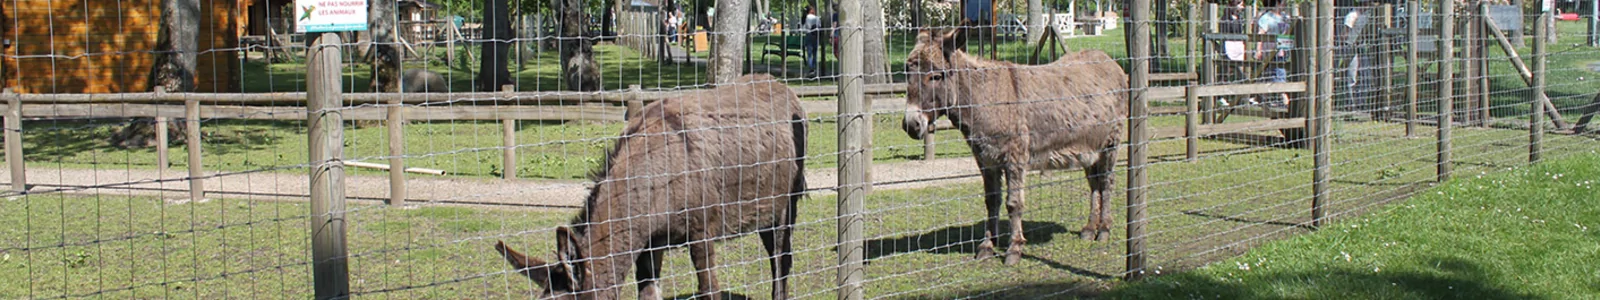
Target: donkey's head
<point>928,90</point>
<point>560,279</point>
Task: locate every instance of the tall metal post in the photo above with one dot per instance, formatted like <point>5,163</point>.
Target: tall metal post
<point>330,266</point>
<point>853,160</point>
<point>1138,133</point>
<point>1447,69</point>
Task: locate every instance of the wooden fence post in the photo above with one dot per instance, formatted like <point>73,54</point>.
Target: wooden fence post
<point>1386,65</point>
<point>635,105</point>
<point>1481,41</point>
<point>509,132</point>
<point>1447,57</point>
<point>1536,118</point>
<point>1323,112</point>
<point>191,113</point>
<point>928,148</point>
<point>1192,35</point>
<point>330,266</point>
<point>1208,68</point>
<point>1191,123</point>
<point>1138,134</point>
<point>1412,65</point>
<point>162,138</point>
<point>397,152</point>
<point>14,158</point>
<point>853,159</point>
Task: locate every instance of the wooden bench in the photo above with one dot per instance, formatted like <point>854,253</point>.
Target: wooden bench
<point>783,46</point>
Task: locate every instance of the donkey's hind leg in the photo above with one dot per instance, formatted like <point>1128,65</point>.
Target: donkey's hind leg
<point>647,270</point>
<point>992,191</point>
<point>703,253</point>
<point>1102,177</point>
<point>780,253</point>
<point>1016,201</point>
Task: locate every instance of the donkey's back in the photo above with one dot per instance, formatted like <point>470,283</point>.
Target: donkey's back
<point>718,162</point>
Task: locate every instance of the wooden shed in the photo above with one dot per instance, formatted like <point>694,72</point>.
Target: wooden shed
<point>56,46</point>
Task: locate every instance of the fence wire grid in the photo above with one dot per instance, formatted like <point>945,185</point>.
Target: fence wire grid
<point>613,144</point>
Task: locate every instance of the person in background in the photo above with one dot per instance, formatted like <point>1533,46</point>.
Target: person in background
<point>811,27</point>
<point>1274,21</point>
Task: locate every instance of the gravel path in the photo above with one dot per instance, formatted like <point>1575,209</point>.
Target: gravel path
<point>171,184</point>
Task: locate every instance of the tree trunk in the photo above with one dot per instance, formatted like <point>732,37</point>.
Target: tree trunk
<point>173,71</point>
<point>385,52</point>
<point>1036,21</point>
<point>577,54</point>
<point>492,72</point>
<point>874,50</point>
<point>729,34</point>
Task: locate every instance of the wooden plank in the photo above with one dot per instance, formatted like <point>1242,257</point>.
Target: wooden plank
<point>470,98</point>
<point>1250,88</point>
<point>435,113</point>
<point>1174,76</point>
<point>395,124</point>
<point>192,143</point>
<point>1165,93</point>
<point>1214,129</point>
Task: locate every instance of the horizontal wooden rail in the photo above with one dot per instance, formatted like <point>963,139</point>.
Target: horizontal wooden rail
<point>420,113</point>
<point>1214,129</point>
<point>350,99</point>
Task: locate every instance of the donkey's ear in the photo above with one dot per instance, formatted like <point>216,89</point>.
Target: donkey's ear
<point>536,270</point>
<point>566,243</point>
<point>954,39</point>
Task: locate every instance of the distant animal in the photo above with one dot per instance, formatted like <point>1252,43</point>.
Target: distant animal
<point>1067,113</point>
<point>423,81</point>
<point>694,170</point>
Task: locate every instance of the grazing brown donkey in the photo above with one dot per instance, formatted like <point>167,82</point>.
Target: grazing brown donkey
<point>1015,117</point>
<point>709,166</point>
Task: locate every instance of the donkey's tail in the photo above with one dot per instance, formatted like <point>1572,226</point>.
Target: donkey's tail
<point>798,123</point>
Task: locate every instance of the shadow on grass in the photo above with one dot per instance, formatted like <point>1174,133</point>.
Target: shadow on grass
<point>1052,290</point>
<point>965,239</point>
<point>1446,278</point>
<point>67,141</point>
<point>726,295</point>
<point>1243,220</point>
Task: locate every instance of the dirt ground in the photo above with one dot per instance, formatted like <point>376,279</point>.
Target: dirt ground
<point>424,189</point>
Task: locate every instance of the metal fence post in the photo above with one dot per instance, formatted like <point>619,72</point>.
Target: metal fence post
<point>853,162</point>
<point>1138,133</point>
<point>1536,118</point>
<point>330,267</point>
<point>1447,57</point>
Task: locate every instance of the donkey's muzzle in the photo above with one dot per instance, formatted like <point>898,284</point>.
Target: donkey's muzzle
<point>915,123</point>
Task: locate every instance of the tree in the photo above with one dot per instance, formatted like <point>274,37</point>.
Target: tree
<point>385,52</point>
<point>1036,21</point>
<point>173,71</point>
<point>492,72</point>
<point>577,53</point>
<point>874,51</point>
<point>728,44</point>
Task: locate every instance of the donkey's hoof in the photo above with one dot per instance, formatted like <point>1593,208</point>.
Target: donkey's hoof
<point>1102,235</point>
<point>1086,234</point>
<point>1013,257</point>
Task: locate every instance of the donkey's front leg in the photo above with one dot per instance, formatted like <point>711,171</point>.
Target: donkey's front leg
<point>1016,187</point>
<point>703,253</point>
<point>992,190</point>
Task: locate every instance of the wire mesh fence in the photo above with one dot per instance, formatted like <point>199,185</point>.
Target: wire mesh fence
<point>873,149</point>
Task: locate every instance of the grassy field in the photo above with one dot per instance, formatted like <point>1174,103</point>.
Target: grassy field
<point>1238,197</point>
<point>1523,234</point>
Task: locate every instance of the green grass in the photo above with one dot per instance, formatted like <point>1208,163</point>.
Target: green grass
<point>918,240</point>
<point>1523,234</point>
